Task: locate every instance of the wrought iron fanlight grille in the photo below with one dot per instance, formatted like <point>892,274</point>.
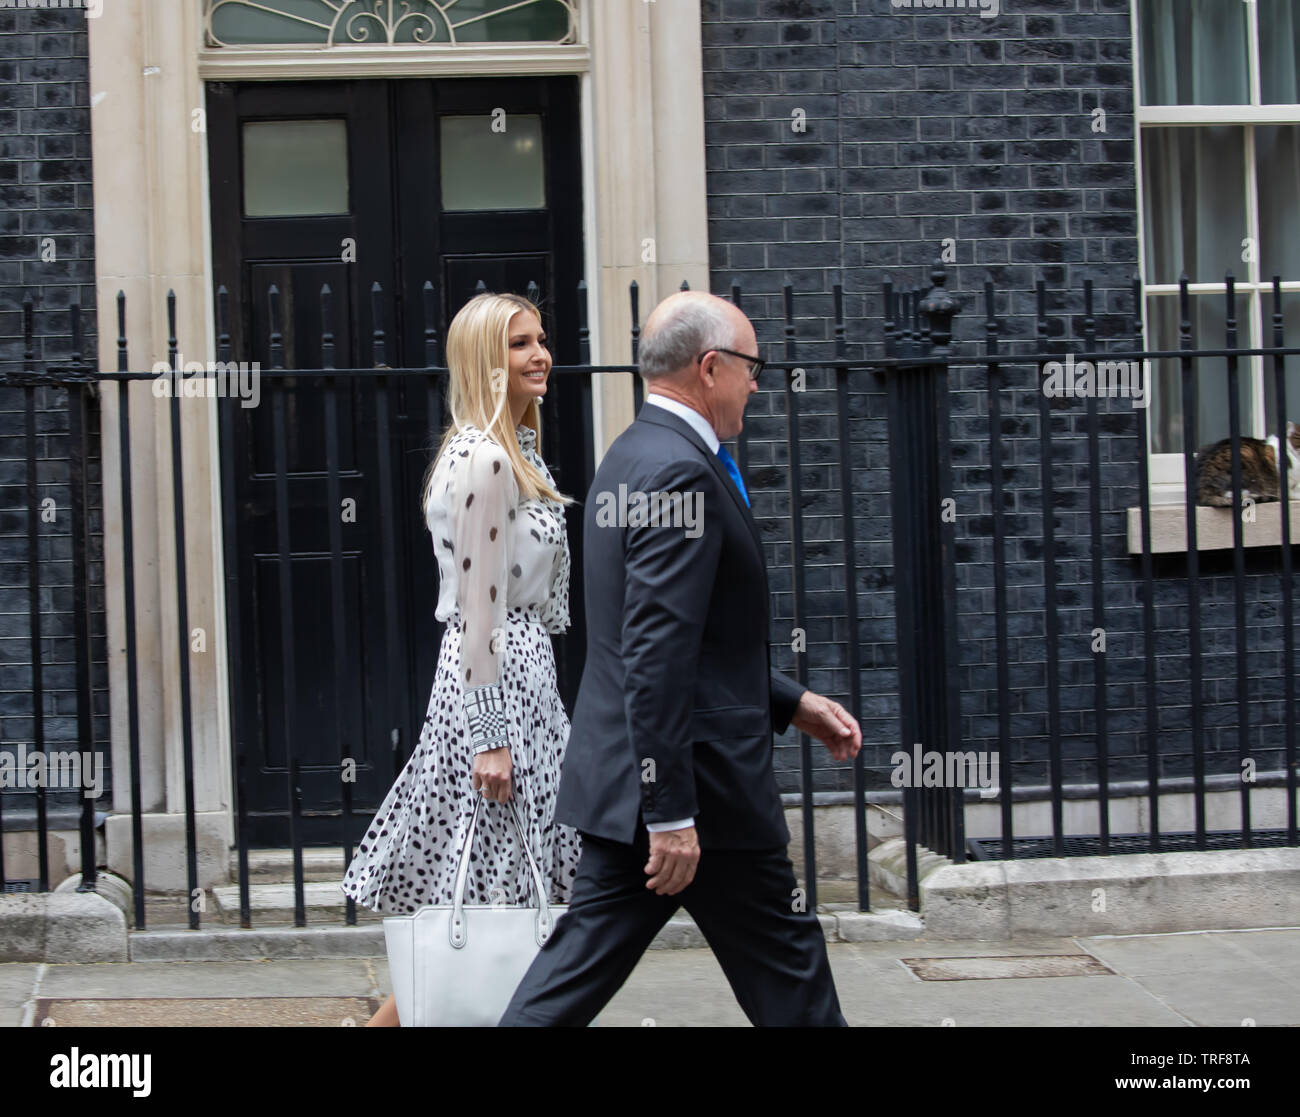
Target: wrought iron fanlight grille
<point>342,23</point>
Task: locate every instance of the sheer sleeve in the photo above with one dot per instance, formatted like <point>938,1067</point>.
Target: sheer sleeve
<point>555,612</point>
<point>485,502</point>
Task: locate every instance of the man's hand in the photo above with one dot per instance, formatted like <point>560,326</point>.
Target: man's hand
<point>494,773</point>
<point>673,857</point>
<point>830,723</point>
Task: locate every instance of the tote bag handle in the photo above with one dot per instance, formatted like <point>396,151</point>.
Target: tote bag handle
<point>458,931</point>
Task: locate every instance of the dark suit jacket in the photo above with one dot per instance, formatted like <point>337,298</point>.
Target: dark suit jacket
<point>678,699</point>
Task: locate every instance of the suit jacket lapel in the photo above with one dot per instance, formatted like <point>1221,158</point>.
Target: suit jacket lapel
<point>662,417</point>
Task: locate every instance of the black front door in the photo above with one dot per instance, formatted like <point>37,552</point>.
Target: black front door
<point>353,184</point>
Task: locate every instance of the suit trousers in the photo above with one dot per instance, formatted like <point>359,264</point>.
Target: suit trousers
<point>742,900</point>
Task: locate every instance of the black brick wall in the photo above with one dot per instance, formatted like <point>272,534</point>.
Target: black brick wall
<point>921,127</point>
<point>45,183</point>
<point>45,192</point>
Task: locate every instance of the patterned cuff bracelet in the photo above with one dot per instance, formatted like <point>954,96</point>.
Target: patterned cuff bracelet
<point>485,712</point>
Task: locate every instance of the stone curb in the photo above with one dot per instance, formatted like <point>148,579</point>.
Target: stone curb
<point>226,944</point>
<point>233,944</point>
<point>1125,894</point>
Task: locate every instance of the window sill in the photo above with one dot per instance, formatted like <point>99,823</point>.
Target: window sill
<point>1213,528</point>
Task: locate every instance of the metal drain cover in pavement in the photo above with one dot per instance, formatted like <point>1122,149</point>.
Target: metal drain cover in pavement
<point>1021,965</point>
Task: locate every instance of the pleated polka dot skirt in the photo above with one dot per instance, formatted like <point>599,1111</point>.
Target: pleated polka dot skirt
<point>408,856</point>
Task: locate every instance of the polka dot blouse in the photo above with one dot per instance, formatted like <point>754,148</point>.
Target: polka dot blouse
<point>495,553</point>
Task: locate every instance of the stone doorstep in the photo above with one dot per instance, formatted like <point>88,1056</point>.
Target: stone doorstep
<point>272,901</point>
<point>275,866</point>
<point>333,940</point>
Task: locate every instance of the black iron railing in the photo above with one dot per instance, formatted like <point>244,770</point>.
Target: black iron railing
<point>919,369</point>
<point>935,536</point>
<point>84,386</point>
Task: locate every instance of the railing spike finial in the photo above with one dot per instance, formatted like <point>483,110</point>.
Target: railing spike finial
<point>123,360</point>
<point>429,304</point>
<point>29,333</point>
<point>74,316</point>
<point>990,317</point>
<point>277,340</point>
<point>378,351</point>
<point>326,326</point>
<point>223,323</point>
<point>634,297</point>
<point>837,301</point>
<point>172,348</point>
<point>584,333</point>
<point>787,329</point>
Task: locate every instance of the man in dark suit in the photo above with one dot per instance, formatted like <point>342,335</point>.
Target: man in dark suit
<point>668,773</point>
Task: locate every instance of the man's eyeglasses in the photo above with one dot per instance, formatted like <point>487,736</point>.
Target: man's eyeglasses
<point>755,363</point>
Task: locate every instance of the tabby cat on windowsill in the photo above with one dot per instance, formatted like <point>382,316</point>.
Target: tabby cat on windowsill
<point>1260,474</point>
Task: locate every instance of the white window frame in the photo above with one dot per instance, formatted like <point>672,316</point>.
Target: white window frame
<point>294,61</point>
<point>343,43</point>
<point>1167,470</point>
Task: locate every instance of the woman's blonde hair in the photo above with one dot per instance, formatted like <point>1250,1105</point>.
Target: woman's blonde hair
<point>478,358</point>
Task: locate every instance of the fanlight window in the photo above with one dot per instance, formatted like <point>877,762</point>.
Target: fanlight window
<point>389,22</point>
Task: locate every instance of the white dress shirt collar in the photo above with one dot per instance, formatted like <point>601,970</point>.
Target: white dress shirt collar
<point>697,421</point>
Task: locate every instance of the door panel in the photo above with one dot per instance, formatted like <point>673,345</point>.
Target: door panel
<point>299,285</point>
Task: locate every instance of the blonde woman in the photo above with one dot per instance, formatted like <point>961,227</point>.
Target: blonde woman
<point>495,727</point>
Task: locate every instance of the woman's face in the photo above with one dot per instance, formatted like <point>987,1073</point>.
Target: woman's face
<point>530,361</point>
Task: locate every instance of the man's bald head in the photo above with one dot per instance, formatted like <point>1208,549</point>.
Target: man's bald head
<point>682,327</point>
<point>693,351</point>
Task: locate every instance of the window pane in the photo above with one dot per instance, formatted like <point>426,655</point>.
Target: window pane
<point>295,168</point>
<point>1290,332</point>
<point>1279,52</point>
<point>1193,52</point>
<point>542,20</point>
<point>235,22</point>
<point>1194,205</point>
<point>1277,156</point>
<point>1211,375</point>
<point>483,169</point>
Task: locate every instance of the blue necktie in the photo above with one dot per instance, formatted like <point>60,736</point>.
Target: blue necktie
<point>732,468</point>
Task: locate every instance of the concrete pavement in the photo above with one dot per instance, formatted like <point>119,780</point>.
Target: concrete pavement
<point>1192,979</point>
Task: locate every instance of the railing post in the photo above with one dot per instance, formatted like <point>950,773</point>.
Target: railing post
<point>192,888</point>
<point>853,649</point>
<point>923,514</point>
<point>128,616</point>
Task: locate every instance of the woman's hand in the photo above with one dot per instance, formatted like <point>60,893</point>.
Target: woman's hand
<point>494,773</point>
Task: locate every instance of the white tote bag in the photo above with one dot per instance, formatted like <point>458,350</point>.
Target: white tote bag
<point>458,964</point>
